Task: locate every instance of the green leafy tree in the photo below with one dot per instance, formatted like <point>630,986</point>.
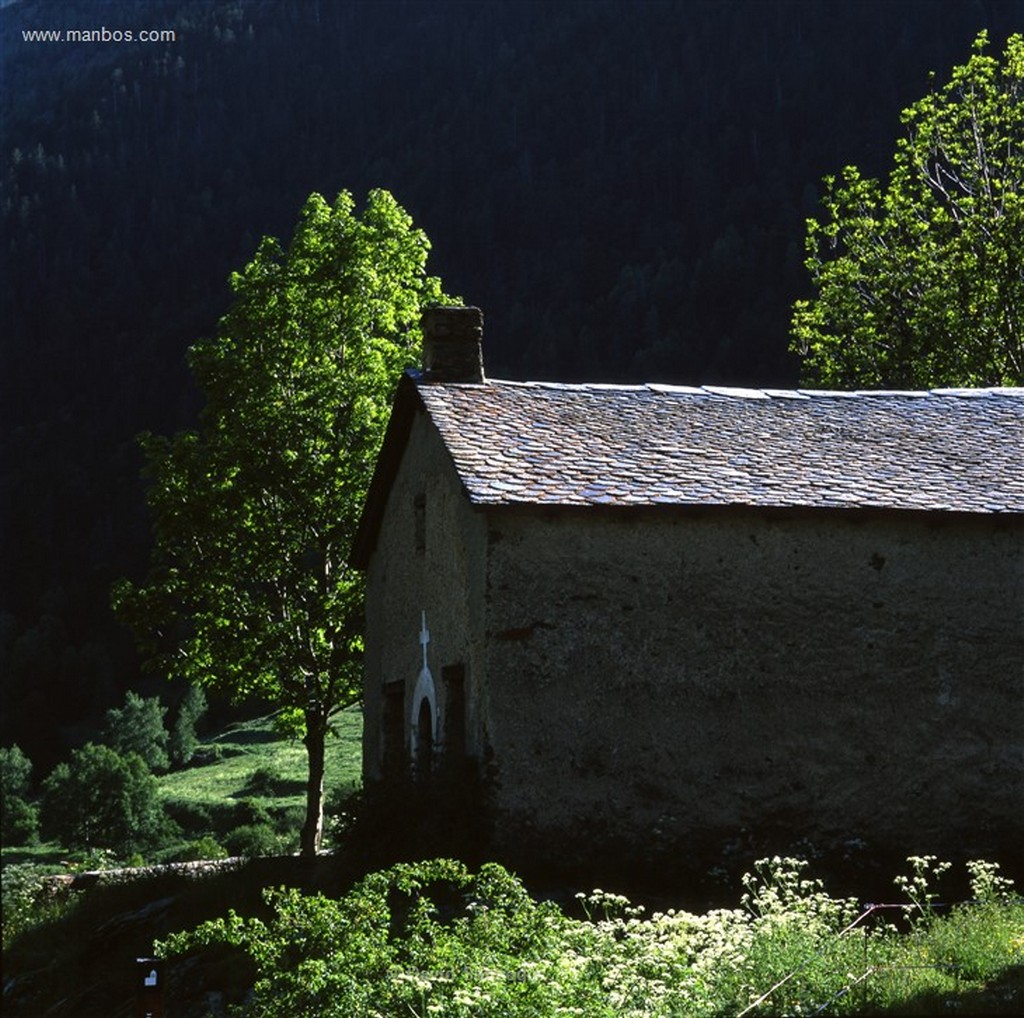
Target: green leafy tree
<point>138,727</point>
<point>920,282</point>
<point>15,772</point>
<point>253,514</point>
<point>184,741</point>
<point>20,818</point>
<point>100,799</point>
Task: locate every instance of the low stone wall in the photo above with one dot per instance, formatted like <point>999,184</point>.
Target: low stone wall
<point>265,870</point>
<point>131,874</point>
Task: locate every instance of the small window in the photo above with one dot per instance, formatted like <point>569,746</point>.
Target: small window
<point>420,516</point>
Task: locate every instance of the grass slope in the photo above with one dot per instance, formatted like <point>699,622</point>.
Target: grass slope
<point>233,755</point>
<point>248,789</point>
<point>248,775</point>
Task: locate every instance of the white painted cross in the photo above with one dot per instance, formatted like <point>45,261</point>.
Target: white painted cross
<point>424,640</point>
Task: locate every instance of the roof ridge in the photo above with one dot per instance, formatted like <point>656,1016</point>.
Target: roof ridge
<point>749,392</point>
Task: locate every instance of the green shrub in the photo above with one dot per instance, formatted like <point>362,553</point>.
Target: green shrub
<point>183,741</point>
<point>202,849</point>
<point>251,811</point>
<point>189,815</point>
<point>205,755</point>
<point>387,948</point>
<point>288,820</point>
<point>15,772</point>
<point>263,782</point>
<point>254,840</point>
<point>20,821</point>
<point>976,940</point>
<point>101,799</point>
<point>19,817</point>
<point>979,940</point>
<point>28,901</point>
<point>343,807</point>
<point>434,939</point>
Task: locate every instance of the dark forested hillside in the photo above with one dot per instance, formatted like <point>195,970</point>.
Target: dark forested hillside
<point>621,186</point>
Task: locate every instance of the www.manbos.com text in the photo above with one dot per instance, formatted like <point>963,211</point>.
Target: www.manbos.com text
<point>102,34</point>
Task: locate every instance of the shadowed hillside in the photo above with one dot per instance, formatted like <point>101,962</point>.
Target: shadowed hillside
<point>621,186</point>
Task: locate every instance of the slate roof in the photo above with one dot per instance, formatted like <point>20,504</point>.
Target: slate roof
<point>544,444</point>
<point>540,444</point>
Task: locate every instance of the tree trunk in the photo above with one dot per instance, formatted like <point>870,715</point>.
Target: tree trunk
<point>313,828</point>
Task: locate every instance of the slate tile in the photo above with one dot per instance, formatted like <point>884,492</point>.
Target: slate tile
<point>554,443</point>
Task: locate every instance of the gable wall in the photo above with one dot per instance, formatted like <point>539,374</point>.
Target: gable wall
<point>444,579</point>
<point>823,675</point>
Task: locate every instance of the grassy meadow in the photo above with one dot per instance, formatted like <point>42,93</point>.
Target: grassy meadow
<point>243,793</point>
<point>249,775</point>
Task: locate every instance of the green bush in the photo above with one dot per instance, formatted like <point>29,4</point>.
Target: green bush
<point>183,741</point>
<point>978,941</point>
<point>189,815</point>
<point>202,849</point>
<point>19,817</point>
<point>249,811</point>
<point>205,755</point>
<point>20,820</point>
<point>288,821</point>
<point>15,772</point>
<point>27,901</point>
<point>434,939</point>
<point>254,840</point>
<point>101,799</point>
<point>263,782</point>
<point>343,807</point>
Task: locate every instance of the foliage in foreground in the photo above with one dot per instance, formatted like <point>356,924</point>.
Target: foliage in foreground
<point>434,939</point>
<point>26,902</point>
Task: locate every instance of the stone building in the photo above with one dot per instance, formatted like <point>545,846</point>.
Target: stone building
<point>659,618</point>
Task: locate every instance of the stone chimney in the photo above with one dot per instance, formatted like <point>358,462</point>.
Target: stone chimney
<point>451,344</point>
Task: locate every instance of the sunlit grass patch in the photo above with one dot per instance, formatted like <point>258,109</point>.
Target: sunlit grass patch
<point>247,790</point>
<point>245,749</point>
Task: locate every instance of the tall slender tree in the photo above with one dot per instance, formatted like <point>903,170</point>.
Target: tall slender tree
<point>249,590</point>
<point>183,739</point>
<point>138,727</point>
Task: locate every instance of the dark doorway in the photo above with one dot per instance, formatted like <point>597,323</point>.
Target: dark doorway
<point>424,740</point>
<point>393,729</point>
<point>453,678</point>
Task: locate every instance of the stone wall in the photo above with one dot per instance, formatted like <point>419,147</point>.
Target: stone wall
<point>668,681</point>
<point>429,558</point>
